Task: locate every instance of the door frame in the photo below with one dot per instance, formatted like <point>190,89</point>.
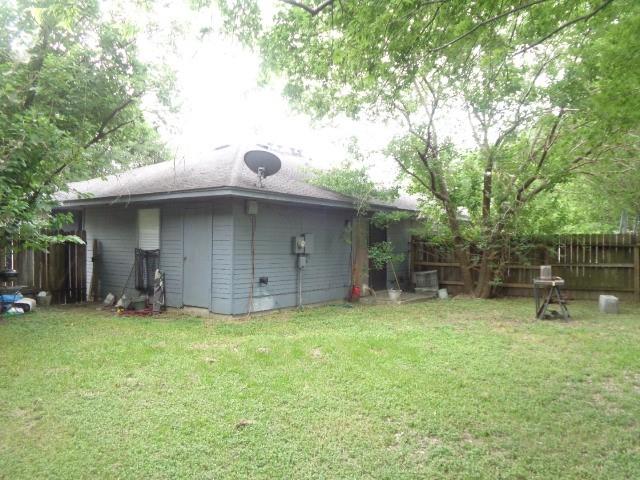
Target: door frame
<point>185,212</point>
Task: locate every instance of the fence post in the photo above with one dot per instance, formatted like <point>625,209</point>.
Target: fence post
<point>636,270</point>
<point>412,256</point>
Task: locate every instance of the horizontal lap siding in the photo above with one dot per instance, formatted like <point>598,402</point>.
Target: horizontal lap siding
<point>172,254</point>
<point>116,230</point>
<point>327,274</point>
<point>222,258</point>
<point>326,277</point>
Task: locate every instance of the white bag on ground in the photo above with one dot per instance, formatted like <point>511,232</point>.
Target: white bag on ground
<point>109,299</point>
<point>26,304</point>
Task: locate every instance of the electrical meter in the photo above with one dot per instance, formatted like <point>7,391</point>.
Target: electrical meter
<point>303,244</point>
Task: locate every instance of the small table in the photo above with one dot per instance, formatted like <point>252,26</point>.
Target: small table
<point>551,295</point>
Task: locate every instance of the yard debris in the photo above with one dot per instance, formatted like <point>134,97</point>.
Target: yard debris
<point>244,423</point>
<point>109,300</point>
<point>25,303</point>
<point>608,304</point>
<point>15,311</point>
<point>43,298</point>
<point>124,302</point>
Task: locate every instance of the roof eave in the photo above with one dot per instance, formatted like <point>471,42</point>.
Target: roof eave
<point>213,193</point>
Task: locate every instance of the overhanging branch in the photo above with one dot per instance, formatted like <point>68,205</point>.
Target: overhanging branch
<point>313,11</point>
<point>566,25</point>
<point>486,22</point>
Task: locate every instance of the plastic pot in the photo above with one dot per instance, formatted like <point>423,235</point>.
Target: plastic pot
<point>394,295</point>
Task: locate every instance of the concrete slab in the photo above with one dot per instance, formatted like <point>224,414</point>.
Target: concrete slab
<point>382,298</point>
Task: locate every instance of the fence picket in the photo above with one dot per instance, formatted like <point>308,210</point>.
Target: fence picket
<point>589,263</point>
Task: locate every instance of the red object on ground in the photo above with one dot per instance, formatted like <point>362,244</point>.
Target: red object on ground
<point>355,293</point>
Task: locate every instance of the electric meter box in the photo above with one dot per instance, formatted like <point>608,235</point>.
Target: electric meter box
<point>303,244</point>
<point>251,207</point>
<point>308,243</point>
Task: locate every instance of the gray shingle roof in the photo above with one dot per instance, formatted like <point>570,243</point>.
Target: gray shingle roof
<point>223,168</point>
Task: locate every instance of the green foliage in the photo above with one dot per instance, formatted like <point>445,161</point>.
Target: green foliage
<point>69,105</point>
<point>550,90</point>
<point>354,181</point>
<point>382,253</point>
<point>382,219</point>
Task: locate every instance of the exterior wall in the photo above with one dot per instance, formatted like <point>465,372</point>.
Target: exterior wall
<point>115,228</point>
<point>327,275</point>
<point>171,253</point>
<point>222,258</point>
<point>399,234</point>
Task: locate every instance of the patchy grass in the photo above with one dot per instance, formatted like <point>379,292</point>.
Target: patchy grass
<point>457,389</point>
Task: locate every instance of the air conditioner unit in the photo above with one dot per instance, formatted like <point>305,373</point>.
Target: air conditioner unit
<point>427,282</point>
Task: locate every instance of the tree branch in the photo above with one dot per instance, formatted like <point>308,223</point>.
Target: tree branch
<point>38,63</point>
<point>102,132</point>
<point>565,25</point>
<point>488,21</point>
<point>313,11</point>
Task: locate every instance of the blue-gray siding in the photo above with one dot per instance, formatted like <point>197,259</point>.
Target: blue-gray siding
<point>115,228</point>
<point>327,275</point>
<point>222,257</point>
<point>171,253</point>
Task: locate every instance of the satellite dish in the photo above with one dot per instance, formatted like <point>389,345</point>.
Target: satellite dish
<point>262,163</point>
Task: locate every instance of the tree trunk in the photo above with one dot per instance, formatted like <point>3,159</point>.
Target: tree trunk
<point>484,287</point>
<point>461,250</point>
<point>462,256</point>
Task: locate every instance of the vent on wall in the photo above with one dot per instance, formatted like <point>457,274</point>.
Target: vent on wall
<point>149,228</point>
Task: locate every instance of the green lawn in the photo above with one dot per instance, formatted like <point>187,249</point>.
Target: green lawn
<point>455,389</point>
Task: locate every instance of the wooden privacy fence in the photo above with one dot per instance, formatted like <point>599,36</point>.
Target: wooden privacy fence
<point>590,264</point>
<point>61,270</point>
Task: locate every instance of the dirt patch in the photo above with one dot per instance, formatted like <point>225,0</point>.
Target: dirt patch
<point>130,383</point>
<point>634,380</point>
<point>89,395</point>
<point>243,423</point>
<point>316,353</point>
<point>609,385</point>
<point>469,439</point>
<point>203,346</point>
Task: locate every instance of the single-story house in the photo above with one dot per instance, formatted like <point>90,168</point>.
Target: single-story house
<point>227,238</point>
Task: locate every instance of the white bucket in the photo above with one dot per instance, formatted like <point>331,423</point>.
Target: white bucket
<point>394,295</point>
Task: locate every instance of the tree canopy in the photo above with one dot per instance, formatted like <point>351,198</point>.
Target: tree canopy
<point>70,98</point>
<point>549,88</point>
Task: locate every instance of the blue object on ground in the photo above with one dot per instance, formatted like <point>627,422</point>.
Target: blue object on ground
<point>9,298</point>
